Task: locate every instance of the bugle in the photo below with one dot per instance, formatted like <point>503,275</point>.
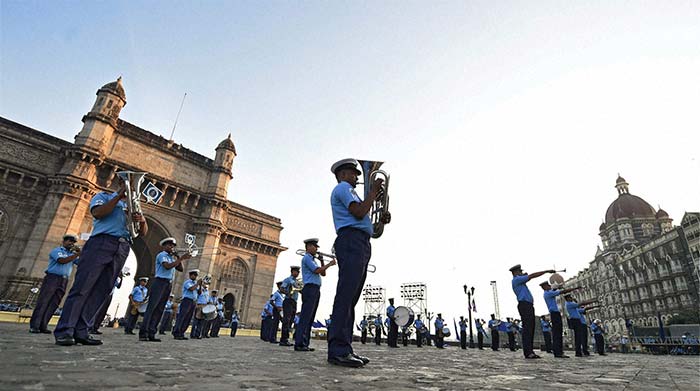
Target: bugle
<point>380,206</point>
<point>319,255</point>
<point>197,251</point>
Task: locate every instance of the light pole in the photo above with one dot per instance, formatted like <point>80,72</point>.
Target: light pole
<point>470,292</point>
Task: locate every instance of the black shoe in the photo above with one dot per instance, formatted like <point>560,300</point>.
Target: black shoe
<point>143,339</point>
<point>346,361</point>
<point>87,341</point>
<point>35,331</point>
<point>286,344</point>
<point>586,353</point>
<point>129,332</point>
<point>161,332</point>
<point>95,332</point>
<point>532,355</point>
<point>181,338</point>
<point>562,356</point>
<point>65,340</point>
<point>579,355</point>
<point>48,331</point>
<point>364,360</point>
<point>302,349</point>
<point>153,339</point>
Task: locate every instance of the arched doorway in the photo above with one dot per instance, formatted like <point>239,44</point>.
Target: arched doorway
<point>229,305</point>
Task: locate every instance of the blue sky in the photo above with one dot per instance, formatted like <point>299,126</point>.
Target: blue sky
<point>503,125</point>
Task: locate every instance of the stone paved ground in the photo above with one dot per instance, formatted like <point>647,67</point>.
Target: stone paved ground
<point>33,362</point>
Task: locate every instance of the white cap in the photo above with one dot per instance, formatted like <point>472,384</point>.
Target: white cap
<point>193,271</point>
<point>143,279</point>
<point>166,240</point>
<point>345,163</point>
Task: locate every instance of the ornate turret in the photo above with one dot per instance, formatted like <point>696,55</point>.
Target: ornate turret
<point>101,121</point>
<point>223,163</point>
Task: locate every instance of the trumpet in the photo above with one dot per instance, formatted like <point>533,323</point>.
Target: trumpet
<point>75,249</point>
<point>321,257</point>
<point>380,206</point>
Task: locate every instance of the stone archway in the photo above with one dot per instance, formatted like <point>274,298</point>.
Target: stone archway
<point>147,247</point>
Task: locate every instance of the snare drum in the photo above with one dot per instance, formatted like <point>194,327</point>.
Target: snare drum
<point>446,332</point>
<point>403,316</point>
<point>209,312</point>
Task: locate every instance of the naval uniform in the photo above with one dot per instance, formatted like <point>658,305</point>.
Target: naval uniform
<point>276,316</point>
<point>138,295</point>
<point>363,328</point>
<point>511,336</point>
<point>495,341</point>
<point>353,251</point>
<point>547,334</point>
<point>418,325</point>
<point>572,309</point>
<point>198,322</point>
<point>599,340</point>
<point>527,312</point>
<point>550,297</point>
<point>160,293</point>
<point>289,308</point>
<point>166,319</point>
<point>480,333</point>
<point>310,296</point>
<point>101,259</point>
<point>234,324</point>
<point>393,336</point>
<point>52,288</point>
<point>463,334</point>
<point>439,337</point>
<point>584,331</point>
<point>378,330</point>
<point>186,308</point>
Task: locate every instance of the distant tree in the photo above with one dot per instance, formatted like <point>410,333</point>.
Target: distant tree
<point>685,317</point>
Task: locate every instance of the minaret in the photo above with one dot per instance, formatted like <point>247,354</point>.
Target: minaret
<point>100,123</point>
<point>221,176</point>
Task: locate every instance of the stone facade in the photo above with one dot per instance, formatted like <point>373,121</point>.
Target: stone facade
<point>647,265</point>
<point>47,184</point>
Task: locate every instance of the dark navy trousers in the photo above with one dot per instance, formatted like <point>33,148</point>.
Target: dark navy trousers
<point>52,290</point>
<point>274,326</point>
<point>289,307</point>
<point>100,262</point>
<point>165,322</point>
<point>184,317</point>
<point>310,295</point>
<point>353,251</point>
<point>527,316</point>
<point>557,330</point>
<point>157,298</point>
<point>234,328</point>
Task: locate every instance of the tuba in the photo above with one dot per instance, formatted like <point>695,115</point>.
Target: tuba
<point>380,206</point>
<point>132,181</point>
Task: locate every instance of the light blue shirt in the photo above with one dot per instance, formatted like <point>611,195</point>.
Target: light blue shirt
<point>520,288</point>
<point>545,326</point>
<point>596,330</point>
<point>234,318</point>
<point>57,268</point>
<point>439,323</point>
<point>113,224</point>
<point>268,309</point>
<point>279,300</point>
<point>378,322</point>
<point>390,311</point>
<point>296,319</point>
<point>287,284</point>
<point>342,196</point>
<point>203,297</point>
<point>161,271</point>
<point>418,324</point>
<point>168,306</point>
<point>386,322</point>
<point>463,325</point>
<point>479,327</point>
<point>582,315</point>
<point>189,294</point>
<point>139,293</point>
<point>213,300</point>
<point>263,313</point>
<point>550,297</point>
<point>363,324</point>
<point>572,310</point>
<point>308,265</point>
<point>492,323</point>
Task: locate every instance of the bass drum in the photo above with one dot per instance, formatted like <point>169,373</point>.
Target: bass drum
<point>446,332</point>
<point>403,316</point>
<point>209,312</point>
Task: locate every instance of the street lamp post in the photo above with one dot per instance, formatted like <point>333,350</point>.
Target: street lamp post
<point>470,293</point>
<point>428,317</point>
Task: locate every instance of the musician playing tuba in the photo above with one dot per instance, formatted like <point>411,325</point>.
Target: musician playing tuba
<point>353,226</point>
<point>103,255</point>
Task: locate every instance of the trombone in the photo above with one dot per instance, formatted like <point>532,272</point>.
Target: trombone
<point>196,251</point>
